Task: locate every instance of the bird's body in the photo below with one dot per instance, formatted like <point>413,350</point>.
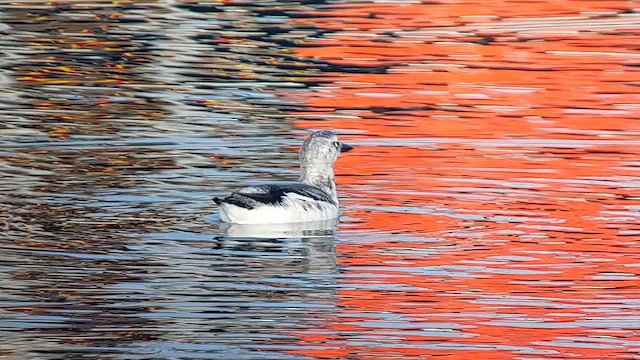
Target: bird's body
<point>313,198</point>
<point>278,203</point>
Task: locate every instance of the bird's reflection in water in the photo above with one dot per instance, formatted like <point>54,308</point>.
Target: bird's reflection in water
<point>314,242</point>
<point>312,229</point>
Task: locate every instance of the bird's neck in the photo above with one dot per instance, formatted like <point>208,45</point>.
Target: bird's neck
<point>323,179</point>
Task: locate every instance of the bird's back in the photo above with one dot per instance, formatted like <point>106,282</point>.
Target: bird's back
<point>278,203</point>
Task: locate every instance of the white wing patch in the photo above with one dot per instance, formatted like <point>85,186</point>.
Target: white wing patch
<point>291,196</point>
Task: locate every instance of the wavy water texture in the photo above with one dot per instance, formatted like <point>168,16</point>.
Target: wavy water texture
<point>491,203</point>
<point>498,149</point>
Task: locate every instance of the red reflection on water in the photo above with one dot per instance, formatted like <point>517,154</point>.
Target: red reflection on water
<point>499,152</point>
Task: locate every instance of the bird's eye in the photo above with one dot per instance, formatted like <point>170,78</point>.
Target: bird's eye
<point>336,144</point>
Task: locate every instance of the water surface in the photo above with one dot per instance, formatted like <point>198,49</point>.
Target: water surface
<point>491,203</point>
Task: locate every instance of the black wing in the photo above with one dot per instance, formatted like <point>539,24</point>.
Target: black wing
<point>272,194</point>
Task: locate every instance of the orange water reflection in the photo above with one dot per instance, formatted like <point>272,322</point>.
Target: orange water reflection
<point>498,146</point>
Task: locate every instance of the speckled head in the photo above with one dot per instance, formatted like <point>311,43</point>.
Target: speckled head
<point>317,156</point>
<point>321,149</point>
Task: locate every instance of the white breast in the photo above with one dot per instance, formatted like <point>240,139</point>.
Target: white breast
<point>293,208</point>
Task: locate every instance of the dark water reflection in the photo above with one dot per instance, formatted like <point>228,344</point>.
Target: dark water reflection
<point>121,120</point>
<point>116,120</point>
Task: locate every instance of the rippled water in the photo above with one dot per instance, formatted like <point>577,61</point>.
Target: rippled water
<point>492,203</point>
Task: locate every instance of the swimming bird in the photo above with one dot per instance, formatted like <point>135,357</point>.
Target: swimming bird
<point>312,198</point>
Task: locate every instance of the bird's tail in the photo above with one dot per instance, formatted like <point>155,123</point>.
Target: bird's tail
<point>217,200</point>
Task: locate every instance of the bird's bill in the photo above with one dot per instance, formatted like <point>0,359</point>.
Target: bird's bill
<point>344,148</point>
